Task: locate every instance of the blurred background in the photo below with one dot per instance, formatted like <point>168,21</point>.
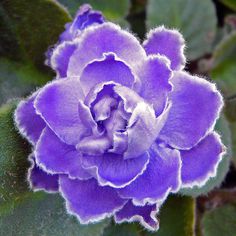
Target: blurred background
<point>29,27</point>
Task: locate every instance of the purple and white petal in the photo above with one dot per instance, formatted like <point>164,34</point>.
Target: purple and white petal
<point>169,43</point>
<point>105,38</point>
<point>154,74</point>
<point>57,103</point>
<point>56,157</point>
<point>143,129</point>
<point>28,122</point>
<point>85,17</point>
<point>201,162</point>
<point>108,68</point>
<point>196,105</point>
<point>88,201</point>
<point>41,180</point>
<point>145,215</point>
<point>161,177</point>
<point>112,170</point>
<point>60,58</point>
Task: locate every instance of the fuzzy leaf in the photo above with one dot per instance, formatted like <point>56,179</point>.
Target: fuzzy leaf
<point>230,3</point>
<point>126,229</point>
<point>37,24</point>
<point>177,217</point>
<point>18,79</point>
<point>45,214</point>
<point>13,158</point>
<point>220,221</point>
<point>224,69</point>
<point>196,20</point>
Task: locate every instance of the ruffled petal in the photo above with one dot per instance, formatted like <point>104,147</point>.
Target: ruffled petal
<point>85,17</point>
<point>154,74</point>
<point>88,201</point>
<point>111,169</point>
<point>169,43</point>
<point>105,38</point>
<point>145,215</point>
<point>201,162</point>
<point>109,68</point>
<point>28,122</point>
<point>60,57</point>
<point>143,129</point>
<point>55,157</point>
<point>196,105</point>
<point>57,103</point>
<point>41,180</point>
<point>161,177</point>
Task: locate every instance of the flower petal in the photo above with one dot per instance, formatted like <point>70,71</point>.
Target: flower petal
<point>145,215</point>
<point>154,74</point>
<point>201,162</point>
<point>109,68</point>
<point>55,157</point>
<point>169,43</point>
<point>88,201</point>
<point>143,129</point>
<point>57,103</point>
<point>41,180</point>
<point>112,170</point>
<point>161,177</point>
<point>85,17</point>
<point>26,119</point>
<point>196,105</point>
<point>105,38</point>
<point>60,58</point>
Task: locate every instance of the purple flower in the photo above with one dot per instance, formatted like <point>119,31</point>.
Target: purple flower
<point>123,125</point>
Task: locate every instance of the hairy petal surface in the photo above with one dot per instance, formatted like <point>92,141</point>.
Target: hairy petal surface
<point>161,177</point>
<point>41,180</point>
<point>54,156</point>
<point>26,119</point>
<point>107,37</point>
<point>143,129</point>
<point>145,215</point>
<point>154,74</point>
<point>201,162</point>
<point>88,201</point>
<point>112,170</point>
<point>196,105</point>
<point>57,103</point>
<point>169,43</point>
<point>85,17</point>
<point>60,58</point>
<point>109,68</point>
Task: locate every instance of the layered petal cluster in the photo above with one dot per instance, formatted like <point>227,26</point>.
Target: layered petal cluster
<point>123,125</point>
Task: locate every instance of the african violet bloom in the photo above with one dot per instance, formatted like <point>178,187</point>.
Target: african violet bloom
<point>123,125</point>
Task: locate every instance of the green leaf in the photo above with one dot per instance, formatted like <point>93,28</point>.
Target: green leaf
<point>196,20</point>
<point>37,24</point>
<point>13,159</point>
<point>9,45</point>
<point>113,10</point>
<point>45,214</point>
<point>177,217</point>
<point>230,3</point>
<point>126,229</point>
<point>233,131</point>
<point>222,127</point>
<point>224,69</point>
<point>220,221</point>
<point>18,79</point>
